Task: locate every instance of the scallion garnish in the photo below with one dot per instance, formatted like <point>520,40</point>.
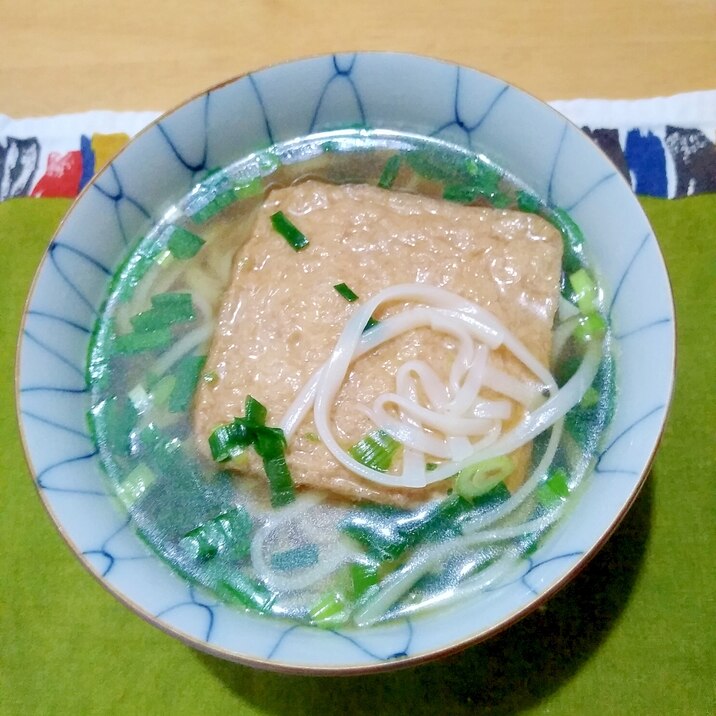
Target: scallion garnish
<point>390,172</point>
<point>228,441</point>
<point>371,322</point>
<point>590,398</point>
<point>254,412</point>
<point>135,484</point>
<point>590,328</point>
<point>363,578</point>
<point>528,202</point>
<point>227,532</point>
<point>140,342</point>
<point>572,239</point>
<point>187,374</point>
<point>330,609</point>
<point>554,489</point>
<point>183,244</point>
<point>167,309</point>
<point>237,587</point>
<point>283,226</point>
<point>345,291</point>
<point>478,479</point>
<point>375,450</point>
<point>585,291</point>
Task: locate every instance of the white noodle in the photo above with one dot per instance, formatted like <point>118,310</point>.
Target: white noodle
<point>392,588</point>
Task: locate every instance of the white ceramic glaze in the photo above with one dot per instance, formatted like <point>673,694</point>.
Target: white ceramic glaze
<point>381,90</point>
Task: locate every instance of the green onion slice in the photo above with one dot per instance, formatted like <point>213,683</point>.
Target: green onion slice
<point>283,226</point>
<point>590,328</point>
<point>254,411</point>
<point>363,578</point>
<point>248,592</point>
<point>184,244</point>
<point>345,291</point>
<point>585,291</point>
<point>135,484</point>
<point>227,532</point>
<point>554,489</point>
<point>186,373</point>
<point>478,479</point>
<point>375,450</point>
<point>141,342</point>
<point>331,609</point>
<point>528,202</point>
<point>390,172</point>
<point>370,324</point>
<point>230,440</point>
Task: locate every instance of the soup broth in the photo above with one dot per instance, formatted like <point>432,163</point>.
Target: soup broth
<point>321,558</point>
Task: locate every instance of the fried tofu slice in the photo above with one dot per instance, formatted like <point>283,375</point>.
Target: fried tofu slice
<point>281,315</point>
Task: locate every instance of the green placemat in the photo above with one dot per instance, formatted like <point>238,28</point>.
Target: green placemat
<point>632,634</point>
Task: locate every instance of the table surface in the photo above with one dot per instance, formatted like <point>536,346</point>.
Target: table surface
<point>74,55</point>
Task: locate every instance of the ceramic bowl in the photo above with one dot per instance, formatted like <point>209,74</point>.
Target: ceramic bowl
<point>380,90</point>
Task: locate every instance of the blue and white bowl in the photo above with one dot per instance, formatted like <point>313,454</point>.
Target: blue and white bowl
<point>382,90</point>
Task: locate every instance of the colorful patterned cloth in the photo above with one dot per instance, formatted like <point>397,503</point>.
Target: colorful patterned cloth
<point>666,147</point>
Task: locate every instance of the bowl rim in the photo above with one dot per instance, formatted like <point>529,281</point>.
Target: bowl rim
<point>384,665</point>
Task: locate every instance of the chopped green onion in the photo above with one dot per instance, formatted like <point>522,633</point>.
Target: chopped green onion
<point>585,291</point>
<point>370,324</point>
<point>500,200</point>
<point>331,609</point>
<point>478,479</point>
<point>230,440</point>
<point>178,301</point>
<point>226,532</point>
<point>183,244</point>
<point>388,539</point>
<point>375,450</point>
<point>554,489</point>
<point>141,400</point>
<point>137,482</point>
<point>312,437</point>
<point>590,398</point>
<point>346,292</point>
<point>167,309</point>
<point>300,557</point>
<point>163,389</point>
<point>572,239</point>
<point>283,226</point>
<point>249,189</point>
<point>211,377</point>
<point>140,342</point>
<point>460,193</point>
<point>187,373</point>
<point>270,444</point>
<point>430,466</point>
<point>254,412</point>
<point>246,591</point>
<point>268,161</point>
<point>590,328</point>
<point>528,202</point>
<point>363,578</point>
<point>390,172</point>
<point>117,416</point>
